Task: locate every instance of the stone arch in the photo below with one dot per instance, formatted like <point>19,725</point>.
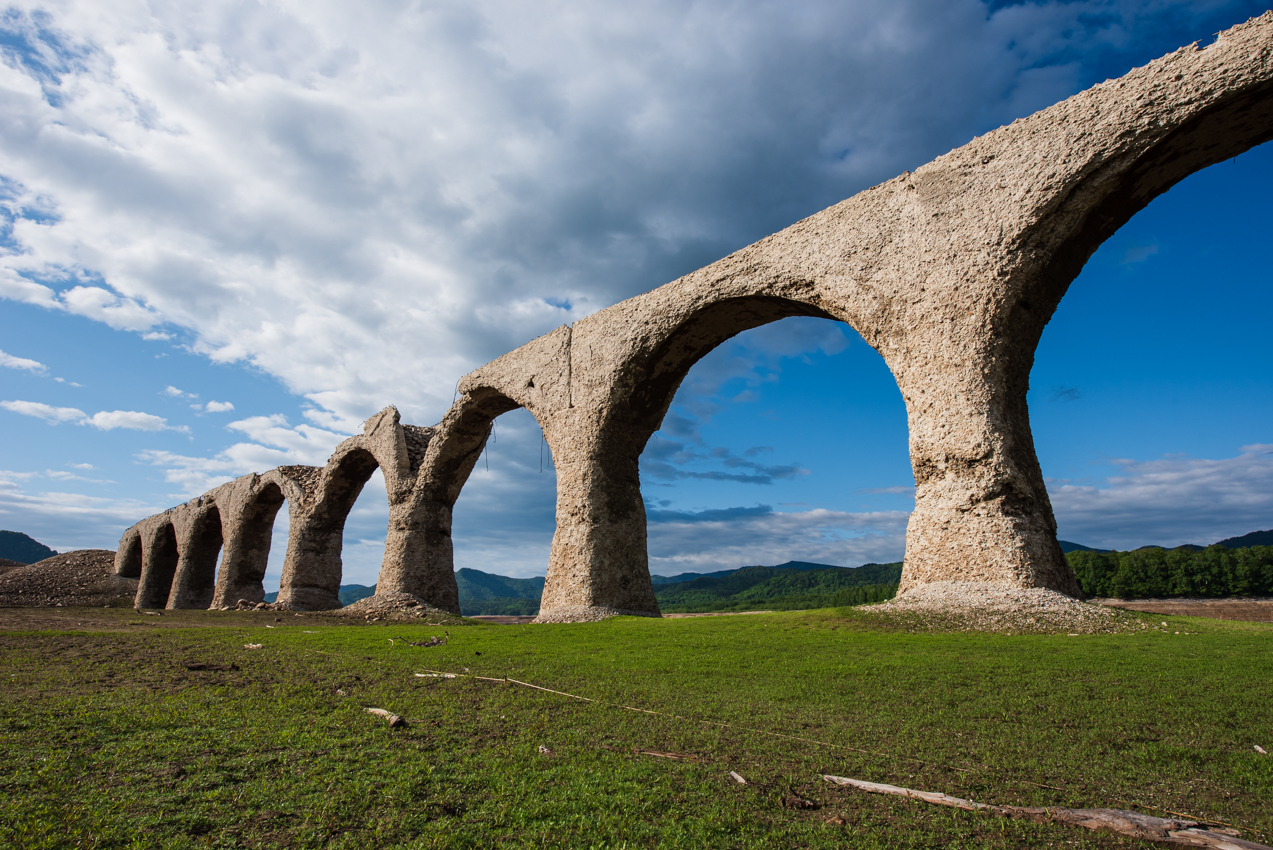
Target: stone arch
<point>653,373</point>
<point>461,437</point>
<point>199,527</point>
<point>419,550</point>
<point>159,562</point>
<point>128,557</point>
<point>312,567</point>
<point>600,563</point>
<point>248,532</point>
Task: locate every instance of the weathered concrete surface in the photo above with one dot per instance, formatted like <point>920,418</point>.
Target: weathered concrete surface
<point>950,272</point>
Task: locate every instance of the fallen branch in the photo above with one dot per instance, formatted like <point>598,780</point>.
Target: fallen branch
<point>656,753</point>
<point>1186,833</point>
<point>394,720</point>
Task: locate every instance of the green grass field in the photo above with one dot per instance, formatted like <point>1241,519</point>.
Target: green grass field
<point>108,740</point>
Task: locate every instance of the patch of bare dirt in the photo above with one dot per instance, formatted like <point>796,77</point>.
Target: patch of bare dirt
<point>1249,610</point>
<point>713,614</point>
<point>99,619</point>
<point>81,578</point>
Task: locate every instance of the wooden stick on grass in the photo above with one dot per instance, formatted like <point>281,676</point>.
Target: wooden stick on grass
<point>1185,833</point>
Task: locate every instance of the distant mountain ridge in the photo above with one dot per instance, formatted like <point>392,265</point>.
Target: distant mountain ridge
<point>795,584</point>
<point>1067,547</point>
<point>477,585</point>
<point>790,565</point>
<point>1255,538</point>
<point>16,546</point>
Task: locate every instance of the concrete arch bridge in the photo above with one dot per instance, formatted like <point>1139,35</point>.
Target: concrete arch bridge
<point>950,272</point>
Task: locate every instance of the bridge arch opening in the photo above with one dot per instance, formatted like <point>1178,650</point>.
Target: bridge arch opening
<point>358,515</point>
<point>128,560</point>
<point>600,561</point>
<point>194,582</point>
<point>245,558</point>
<point>1149,392</point>
<point>313,567</point>
<point>497,464</point>
<point>785,442</point>
<point>159,565</point>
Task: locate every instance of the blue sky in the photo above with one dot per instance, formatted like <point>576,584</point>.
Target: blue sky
<point>231,231</point>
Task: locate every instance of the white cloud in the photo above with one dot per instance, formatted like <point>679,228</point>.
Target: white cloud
<point>1170,501</point>
<point>132,419</point>
<point>46,412</point>
<point>123,314</point>
<point>8,361</point>
<point>63,475</point>
<point>105,420</point>
<point>173,392</point>
<point>273,443</point>
<point>218,407</point>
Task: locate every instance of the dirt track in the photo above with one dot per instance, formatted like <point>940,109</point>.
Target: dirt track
<point>124,619</point>
<point>1250,610</point>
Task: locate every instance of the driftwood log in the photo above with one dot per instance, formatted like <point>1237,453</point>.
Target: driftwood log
<point>1178,832</point>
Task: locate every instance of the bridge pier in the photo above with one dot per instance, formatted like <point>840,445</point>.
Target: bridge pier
<point>982,512</point>
<point>419,555</point>
<point>599,565</point>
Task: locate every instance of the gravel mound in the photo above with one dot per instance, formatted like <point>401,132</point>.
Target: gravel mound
<point>979,607</point>
<point>6,565</point>
<point>586,614</point>
<point>394,606</point>
<point>84,577</point>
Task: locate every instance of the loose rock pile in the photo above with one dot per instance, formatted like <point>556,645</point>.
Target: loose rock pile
<point>84,578</point>
<point>979,607</point>
<point>585,614</point>
<point>6,565</point>
<point>393,606</point>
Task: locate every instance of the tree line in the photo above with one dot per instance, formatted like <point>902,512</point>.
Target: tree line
<point>1153,573</point>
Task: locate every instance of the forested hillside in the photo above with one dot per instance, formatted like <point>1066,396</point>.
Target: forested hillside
<point>1152,572</point>
<point>1216,571</point>
<point>16,546</point>
<point>781,588</point>
<point>484,593</point>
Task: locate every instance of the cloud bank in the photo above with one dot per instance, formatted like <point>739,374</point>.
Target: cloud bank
<point>368,201</point>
